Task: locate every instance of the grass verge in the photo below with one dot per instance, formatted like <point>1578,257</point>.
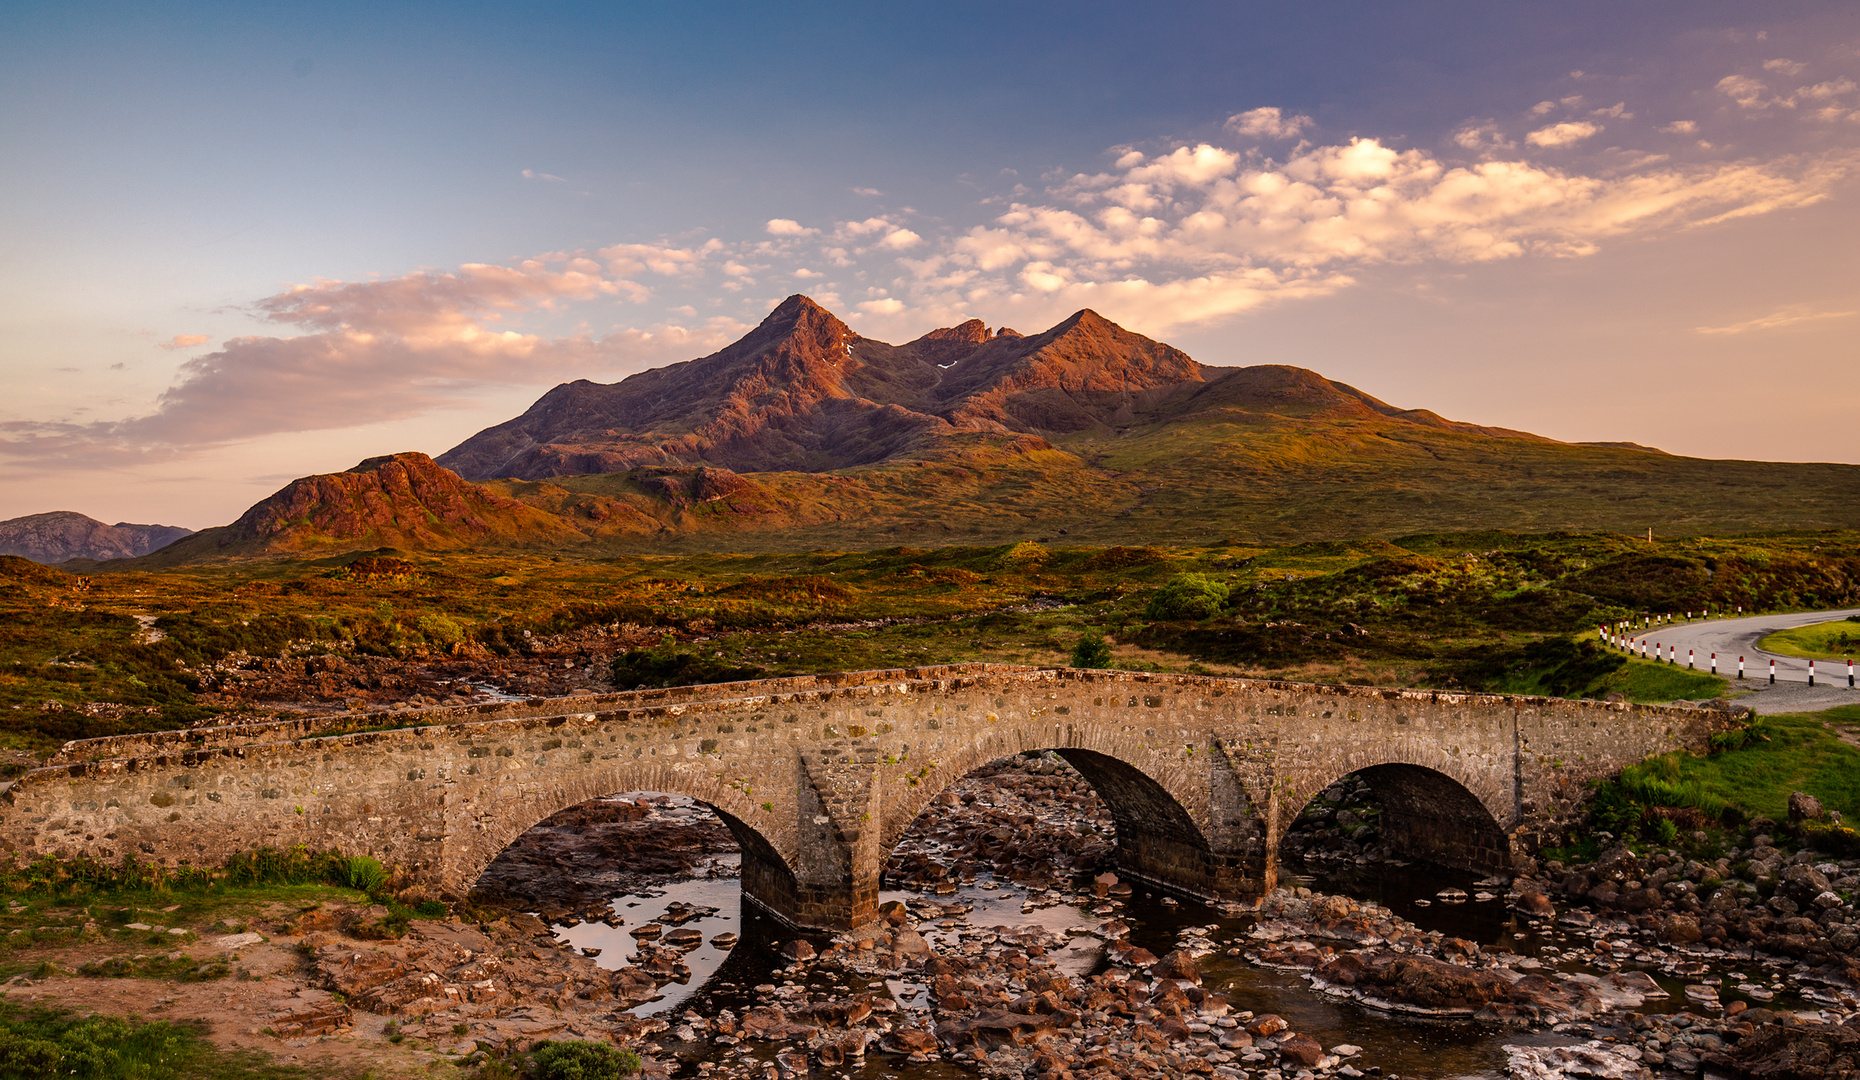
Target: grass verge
<point>1820,641</point>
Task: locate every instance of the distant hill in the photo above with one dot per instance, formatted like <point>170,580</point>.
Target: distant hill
<point>400,500</point>
<point>805,435</point>
<point>64,534</point>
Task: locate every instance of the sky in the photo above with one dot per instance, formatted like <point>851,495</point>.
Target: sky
<point>246,243</point>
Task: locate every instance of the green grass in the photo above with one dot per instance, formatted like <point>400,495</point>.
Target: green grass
<point>1646,681</point>
<point>1750,775</point>
<point>1804,752</point>
<point>40,1043</point>
<point>1820,641</point>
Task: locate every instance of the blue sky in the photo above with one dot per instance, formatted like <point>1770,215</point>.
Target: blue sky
<point>246,244</point>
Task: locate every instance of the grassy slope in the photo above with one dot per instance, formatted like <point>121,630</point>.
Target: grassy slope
<point>1821,641</point>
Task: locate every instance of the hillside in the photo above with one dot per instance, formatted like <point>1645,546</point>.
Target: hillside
<point>401,500</point>
<point>63,534</point>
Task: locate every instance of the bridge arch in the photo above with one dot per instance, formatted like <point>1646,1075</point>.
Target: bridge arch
<point>767,873</point>
<point>1427,814</point>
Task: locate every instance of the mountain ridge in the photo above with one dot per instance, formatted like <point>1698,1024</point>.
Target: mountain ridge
<point>804,434</point>
<point>61,535</point>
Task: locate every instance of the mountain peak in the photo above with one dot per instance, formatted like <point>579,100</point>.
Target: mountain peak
<point>975,331</point>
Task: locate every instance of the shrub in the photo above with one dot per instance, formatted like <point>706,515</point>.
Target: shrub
<point>1187,596</point>
<point>1092,651</point>
<point>430,909</point>
<point>583,1060</point>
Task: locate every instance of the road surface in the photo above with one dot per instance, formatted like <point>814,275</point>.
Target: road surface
<point>1732,638</point>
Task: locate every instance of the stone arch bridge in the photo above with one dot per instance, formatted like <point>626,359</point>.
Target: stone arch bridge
<point>819,777</point>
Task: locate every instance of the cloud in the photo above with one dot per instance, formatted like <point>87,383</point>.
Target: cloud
<point>900,239</point>
<point>1164,244</point>
<point>186,341</point>
<point>1785,67</point>
<point>532,174</point>
<point>1543,108</point>
<point>1268,123</point>
<point>1564,134</point>
<point>370,351</point>
<point>867,191</point>
<point>1750,93</point>
<point>1484,136</point>
<point>885,306</point>
<point>1789,316</point>
<point>1681,127</point>
<point>1830,89</point>
<point>788,227</point>
<point>1618,110</point>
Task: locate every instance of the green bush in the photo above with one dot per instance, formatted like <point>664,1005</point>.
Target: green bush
<point>583,1060</point>
<point>1092,651</point>
<point>1187,596</point>
<point>431,909</point>
<point>367,874</point>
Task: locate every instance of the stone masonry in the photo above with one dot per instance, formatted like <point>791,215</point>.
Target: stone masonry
<point>819,777</point>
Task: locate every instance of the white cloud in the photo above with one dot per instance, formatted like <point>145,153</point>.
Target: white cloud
<point>532,174</point>
<point>1681,127</point>
<point>885,306</point>
<point>1567,133</point>
<point>867,191</point>
<point>1785,67</point>
<point>186,341</point>
<point>1543,108</point>
<point>900,239</point>
<point>1618,110</point>
<point>788,227</point>
<point>1750,93</point>
<point>1830,89</point>
<point>1790,316</point>
<point>1484,136</point>
<point>1268,123</point>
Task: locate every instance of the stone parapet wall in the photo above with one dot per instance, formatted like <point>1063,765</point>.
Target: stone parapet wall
<point>819,778</point>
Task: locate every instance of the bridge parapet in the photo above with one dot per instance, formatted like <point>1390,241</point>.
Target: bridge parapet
<point>819,781</point>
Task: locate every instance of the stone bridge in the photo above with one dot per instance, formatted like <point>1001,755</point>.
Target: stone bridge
<point>819,777</point>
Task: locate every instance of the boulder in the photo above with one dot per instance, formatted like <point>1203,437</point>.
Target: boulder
<point>1178,965</point>
<point>1804,807</point>
<point>1302,1050</point>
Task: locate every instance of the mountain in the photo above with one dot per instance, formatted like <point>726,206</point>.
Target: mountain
<point>63,534</point>
<point>400,500</point>
<point>805,435</point>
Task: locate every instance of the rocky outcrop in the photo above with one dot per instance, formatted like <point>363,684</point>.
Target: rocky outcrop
<point>63,534</point>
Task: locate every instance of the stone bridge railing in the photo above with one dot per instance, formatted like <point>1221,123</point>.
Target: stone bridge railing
<point>818,778</point>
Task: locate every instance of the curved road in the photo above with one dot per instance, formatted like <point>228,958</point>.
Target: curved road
<point>1731,638</point>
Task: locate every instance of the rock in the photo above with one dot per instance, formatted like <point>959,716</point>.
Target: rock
<point>1804,807</point>
<point>1596,1061</point>
<point>910,1041</point>
<point>236,941</point>
<point>1535,904</point>
<point>995,1027</point>
<point>1683,930</point>
<point>798,949</point>
<point>1268,1024</point>
<point>894,912</point>
<point>325,1018</point>
<point>1178,965</point>
<point>1302,1050</point>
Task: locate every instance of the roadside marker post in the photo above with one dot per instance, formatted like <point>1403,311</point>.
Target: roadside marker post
<point>1772,673</point>
<point>1850,674</point>
<point>1740,668</point>
<point>1811,673</point>
<point>1690,658</point>
<point>1714,663</point>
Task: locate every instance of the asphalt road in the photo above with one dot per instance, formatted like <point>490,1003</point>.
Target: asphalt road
<point>1732,638</point>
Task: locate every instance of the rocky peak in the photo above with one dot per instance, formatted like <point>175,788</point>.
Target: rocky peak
<point>974,331</point>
